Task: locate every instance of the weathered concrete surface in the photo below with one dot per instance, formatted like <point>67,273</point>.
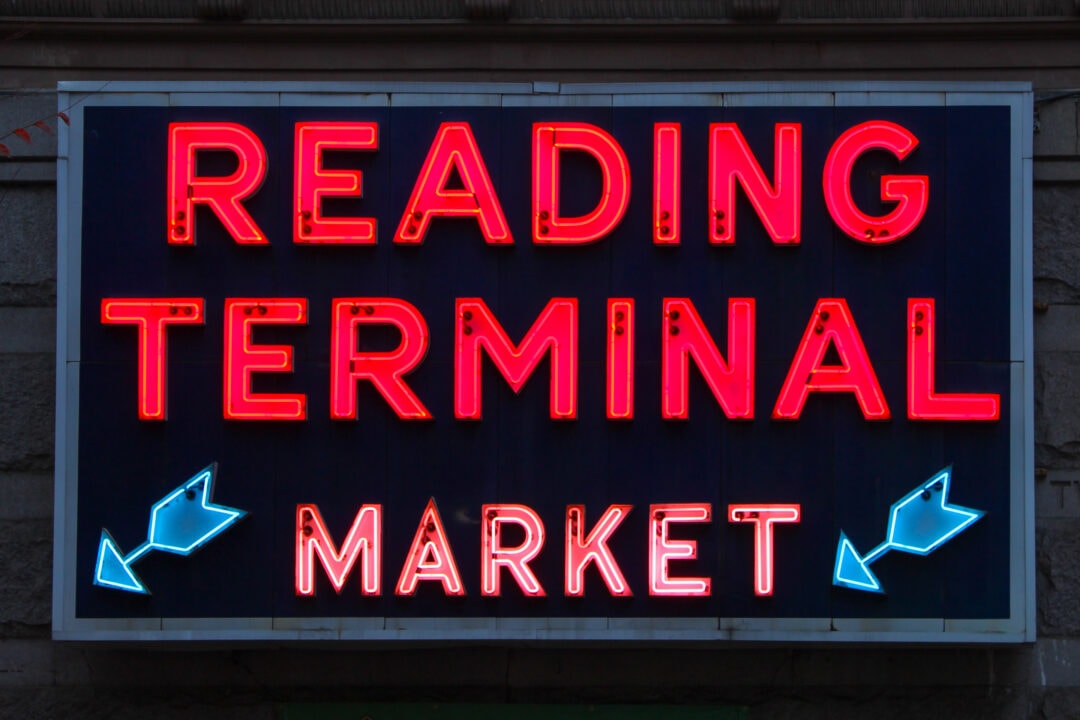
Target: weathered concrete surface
<point>1057,395</point>
<point>26,576</point>
<point>1056,233</point>
<point>28,329</point>
<point>1059,704</point>
<point>1058,589</point>
<point>27,496</point>
<point>1057,329</point>
<point>27,392</point>
<point>1057,133</point>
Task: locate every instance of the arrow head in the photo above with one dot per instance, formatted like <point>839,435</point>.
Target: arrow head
<point>185,519</point>
<point>112,571</point>
<point>851,569</point>
<point>924,520</point>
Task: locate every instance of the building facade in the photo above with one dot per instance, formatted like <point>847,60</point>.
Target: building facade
<point>548,44</point>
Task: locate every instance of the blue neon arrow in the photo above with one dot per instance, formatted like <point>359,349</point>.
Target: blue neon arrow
<point>180,523</point>
<point>919,523</point>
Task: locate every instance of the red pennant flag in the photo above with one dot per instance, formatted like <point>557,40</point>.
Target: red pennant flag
<point>21,132</point>
<point>63,116</point>
<point>4,150</point>
<point>43,126</point>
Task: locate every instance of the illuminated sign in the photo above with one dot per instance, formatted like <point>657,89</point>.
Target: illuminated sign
<point>488,363</point>
<point>180,523</point>
<point>919,523</point>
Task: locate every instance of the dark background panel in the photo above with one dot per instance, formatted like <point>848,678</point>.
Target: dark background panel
<point>844,471</point>
<point>973,325</point>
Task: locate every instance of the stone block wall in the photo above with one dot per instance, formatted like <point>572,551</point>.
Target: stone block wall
<point>40,678</point>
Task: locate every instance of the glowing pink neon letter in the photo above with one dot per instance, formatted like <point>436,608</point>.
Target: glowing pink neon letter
<point>582,550</point>
<point>663,549</point>
<point>430,557</point>
<point>364,539</point>
<point>494,556</point>
<point>764,517</point>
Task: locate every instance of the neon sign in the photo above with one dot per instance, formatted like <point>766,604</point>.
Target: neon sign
<point>314,182</point>
<point>732,163</point>
<point>430,556</point>
<point>546,367</point>
<point>919,523</point>
<point>554,333</point>
<point>180,523</point>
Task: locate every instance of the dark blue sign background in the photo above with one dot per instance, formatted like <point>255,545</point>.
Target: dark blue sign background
<point>843,470</point>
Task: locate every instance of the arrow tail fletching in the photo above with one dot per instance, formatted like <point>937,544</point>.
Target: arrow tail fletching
<point>186,519</point>
<point>924,520</point>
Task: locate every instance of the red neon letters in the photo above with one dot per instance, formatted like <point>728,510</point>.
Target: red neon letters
<point>152,316</point>
<point>778,205</point>
<point>910,192</point>
<point>314,182</point>
<point>222,194</point>
<point>667,174</point>
<point>243,358</point>
<point>923,402</point>
<point>454,147</point>
<point>476,328</point>
<point>831,322</point>
<point>549,226</point>
<point>763,517</point>
<point>384,369</point>
<point>620,359</point>
<point>684,334</point>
